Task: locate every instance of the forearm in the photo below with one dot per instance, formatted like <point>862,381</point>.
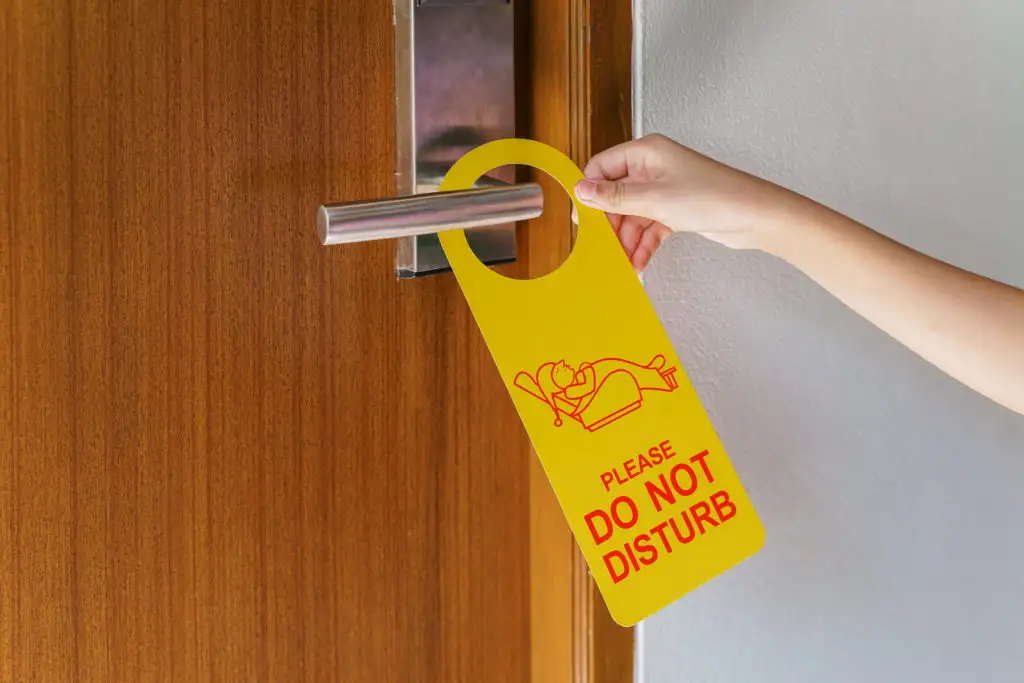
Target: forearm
<point>969,327</point>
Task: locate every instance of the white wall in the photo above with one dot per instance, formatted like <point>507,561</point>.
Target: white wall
<point>893,497</point>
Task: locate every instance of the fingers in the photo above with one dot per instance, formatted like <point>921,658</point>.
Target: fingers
<point>634,158</point>
<point>611,164</point>
<point>637,199</point>
<point>623,182</point>
<point>649,242</point>
<point>630,233</point>
<point>613,218</point>
<point>639,237</point>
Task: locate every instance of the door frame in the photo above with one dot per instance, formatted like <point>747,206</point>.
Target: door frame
<point>575,58</point>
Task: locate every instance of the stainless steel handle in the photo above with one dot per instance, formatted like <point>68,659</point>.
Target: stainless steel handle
<point>424,214</point>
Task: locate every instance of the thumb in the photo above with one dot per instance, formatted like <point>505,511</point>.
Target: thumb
<point>615,197</point>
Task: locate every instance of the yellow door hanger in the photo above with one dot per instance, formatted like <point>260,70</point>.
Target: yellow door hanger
<point>637,467</point>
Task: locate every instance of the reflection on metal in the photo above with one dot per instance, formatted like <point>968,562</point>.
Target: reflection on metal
<point>424,214</point>
<point>455,84</point>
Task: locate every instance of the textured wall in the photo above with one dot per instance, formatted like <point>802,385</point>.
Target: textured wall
<point>892,496</point>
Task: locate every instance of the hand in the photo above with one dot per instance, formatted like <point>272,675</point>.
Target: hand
<point>654,186</point>
<point>970,327</point>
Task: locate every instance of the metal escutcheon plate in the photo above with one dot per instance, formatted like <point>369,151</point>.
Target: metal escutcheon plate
<point>455,79</point>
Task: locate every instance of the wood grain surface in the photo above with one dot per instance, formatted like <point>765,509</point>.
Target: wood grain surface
<point>577,59</point>
<point>545,116</point>
<point>227,453</point>
<point>602,117</point>
<point>611,651</point>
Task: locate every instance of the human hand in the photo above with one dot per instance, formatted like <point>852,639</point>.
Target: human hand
<point>654,186</point>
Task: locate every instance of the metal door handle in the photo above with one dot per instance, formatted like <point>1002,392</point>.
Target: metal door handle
<point>455,89</point>
<point>424,214</point>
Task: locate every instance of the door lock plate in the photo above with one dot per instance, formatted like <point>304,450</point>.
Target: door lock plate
<point>455,81</point>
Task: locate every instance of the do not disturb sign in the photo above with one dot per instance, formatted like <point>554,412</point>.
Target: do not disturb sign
<point>637,467</point>
<point>667,517</point>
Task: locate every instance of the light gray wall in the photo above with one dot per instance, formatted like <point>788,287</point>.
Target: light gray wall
<point>893,498</point>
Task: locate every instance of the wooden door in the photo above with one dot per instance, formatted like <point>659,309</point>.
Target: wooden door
<point>226,452</point>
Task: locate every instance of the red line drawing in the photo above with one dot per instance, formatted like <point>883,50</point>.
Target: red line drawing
<point>599,392</point>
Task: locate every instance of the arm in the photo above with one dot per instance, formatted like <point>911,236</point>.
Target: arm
<point>970,327</point>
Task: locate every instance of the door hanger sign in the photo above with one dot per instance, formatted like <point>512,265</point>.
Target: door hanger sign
<point>637,467</point>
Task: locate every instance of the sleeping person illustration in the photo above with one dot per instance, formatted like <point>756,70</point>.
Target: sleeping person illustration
<point>599,392</point>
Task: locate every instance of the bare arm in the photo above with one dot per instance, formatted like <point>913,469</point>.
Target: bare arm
<point>968,326</point>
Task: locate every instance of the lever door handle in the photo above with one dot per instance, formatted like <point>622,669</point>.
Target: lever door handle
<point>455,89</point>
<point>424,214</point>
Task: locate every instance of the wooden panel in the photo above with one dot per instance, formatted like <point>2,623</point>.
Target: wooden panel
<point>578,61</point>
<point>610,69</point>
<point>610,122</point>
<point>602,39</point>
<point>609,60</point>
<point>227,452</point>
<point>548,241</point>
<point>7,471</point>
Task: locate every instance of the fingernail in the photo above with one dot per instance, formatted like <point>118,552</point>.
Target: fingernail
<point>586,190</point>
<point>575,215</point>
